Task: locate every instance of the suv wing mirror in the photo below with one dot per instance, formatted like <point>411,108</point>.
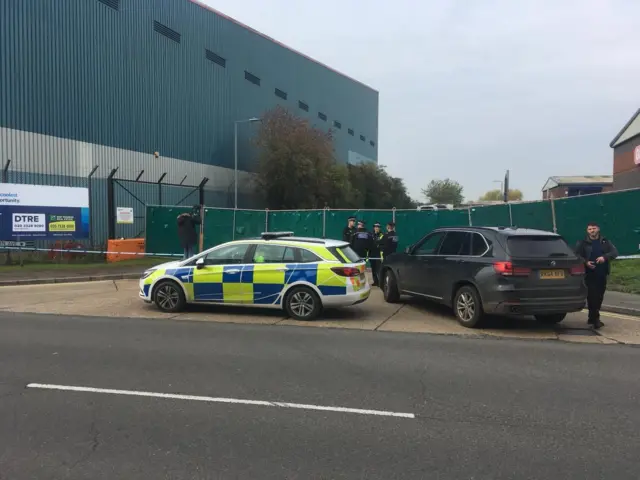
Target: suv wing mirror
<point>407,250</point>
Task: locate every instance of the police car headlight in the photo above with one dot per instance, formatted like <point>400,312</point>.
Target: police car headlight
<point>148,272</point>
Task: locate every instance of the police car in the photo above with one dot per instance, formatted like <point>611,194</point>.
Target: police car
<point>277,270</point>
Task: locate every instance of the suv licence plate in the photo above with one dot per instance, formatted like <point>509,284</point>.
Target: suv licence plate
<point>551,274</point>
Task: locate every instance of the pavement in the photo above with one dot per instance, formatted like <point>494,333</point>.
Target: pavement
<point>119,298</point>
<point>150,398</point>
<point>65,273</point>
<point>616,302</point>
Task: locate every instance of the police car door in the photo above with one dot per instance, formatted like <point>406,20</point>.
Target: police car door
<point>269,272</point>
<point>219,278</point>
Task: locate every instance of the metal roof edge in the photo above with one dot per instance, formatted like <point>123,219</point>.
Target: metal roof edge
<point>253,30</point>
<point>633,117</point>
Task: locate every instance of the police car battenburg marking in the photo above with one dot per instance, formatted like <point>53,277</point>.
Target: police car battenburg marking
<point>260,284</point>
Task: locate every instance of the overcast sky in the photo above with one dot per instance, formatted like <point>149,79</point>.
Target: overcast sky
<point>470,88</point>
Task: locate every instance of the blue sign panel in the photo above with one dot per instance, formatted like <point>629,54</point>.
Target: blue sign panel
<point>43,212</point>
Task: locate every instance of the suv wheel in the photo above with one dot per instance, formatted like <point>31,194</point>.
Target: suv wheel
<point>390,287</point>
<point>468,307</point>
<point>302,303</point>
<point>169,297</point>
<point>551,319</point>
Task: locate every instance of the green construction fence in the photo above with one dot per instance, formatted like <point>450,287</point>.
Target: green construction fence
<point>568,216</point>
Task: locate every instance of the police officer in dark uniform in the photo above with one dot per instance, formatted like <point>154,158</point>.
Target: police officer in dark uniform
<point>362,241</point>
<point>389,241</point>
<point>376,252</point>
<point>349,230</point>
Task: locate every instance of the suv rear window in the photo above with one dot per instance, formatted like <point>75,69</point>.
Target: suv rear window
<point>347,251</point>
<point>538,247</point>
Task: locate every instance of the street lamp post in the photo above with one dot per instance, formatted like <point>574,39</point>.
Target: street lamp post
<point>235,157</point>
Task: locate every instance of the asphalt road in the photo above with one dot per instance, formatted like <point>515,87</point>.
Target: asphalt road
<point>484,408</point>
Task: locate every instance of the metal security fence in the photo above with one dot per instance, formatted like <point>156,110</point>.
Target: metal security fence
<point>616,212</point>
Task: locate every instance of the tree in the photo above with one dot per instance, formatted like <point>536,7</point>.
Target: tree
<point>374,188</point>
<point>497,195</point>
<point>445,191</point>
<point>297,169</point>
<point>296,165</point>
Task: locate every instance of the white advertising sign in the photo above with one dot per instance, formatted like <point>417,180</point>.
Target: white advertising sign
<point>12,194</point>
<point>43,212</point>
<point>124,215</point>
<point>29,222</point>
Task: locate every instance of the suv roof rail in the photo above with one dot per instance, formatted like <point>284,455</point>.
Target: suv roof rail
<point>273,235</point>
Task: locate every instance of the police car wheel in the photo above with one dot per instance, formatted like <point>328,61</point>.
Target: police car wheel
<point>169,297</point>
<point>468,307</point>
<point>390,287</point>
<point>302,303</point>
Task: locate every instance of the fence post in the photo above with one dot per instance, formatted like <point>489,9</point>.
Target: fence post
<point>160,188</point>
<point>324,222</point>
<point>111,209</point>
<point>5,172</point>
<point>200,189</point>
<point>553,215</point>
<point>393,215</point>
<point>469,212</point>
<point>89,185</point>
<point>266,219</point>
<point>233,233</point>
<point>510,215</point>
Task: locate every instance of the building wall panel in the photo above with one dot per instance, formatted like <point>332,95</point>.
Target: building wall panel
<point>79,70</point>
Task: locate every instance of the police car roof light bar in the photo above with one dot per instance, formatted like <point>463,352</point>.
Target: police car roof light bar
<point>273,235</point>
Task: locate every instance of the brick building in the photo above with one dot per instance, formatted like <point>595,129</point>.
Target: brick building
<point>626,155</point>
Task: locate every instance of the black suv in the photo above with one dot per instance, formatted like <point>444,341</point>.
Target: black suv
<point>493,270</point>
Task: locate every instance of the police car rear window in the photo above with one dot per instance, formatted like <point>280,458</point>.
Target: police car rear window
<point>347,252</point>
<point>538,247</point>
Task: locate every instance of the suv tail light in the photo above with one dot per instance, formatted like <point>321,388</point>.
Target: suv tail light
<point>578,269</point>
<point>508,270</point>
<point>346,271</point>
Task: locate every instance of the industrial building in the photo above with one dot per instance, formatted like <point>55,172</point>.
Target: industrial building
<point>573,186</point>
<point>110,83</point>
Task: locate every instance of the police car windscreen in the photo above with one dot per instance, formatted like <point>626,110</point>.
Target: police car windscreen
<point>538,247</point>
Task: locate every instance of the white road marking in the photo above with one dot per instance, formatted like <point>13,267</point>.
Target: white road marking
<point>199,398</point>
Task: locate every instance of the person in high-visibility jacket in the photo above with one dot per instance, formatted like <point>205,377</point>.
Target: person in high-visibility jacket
<point>376,252</point>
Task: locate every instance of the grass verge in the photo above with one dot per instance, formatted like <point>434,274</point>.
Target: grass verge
<point>625,276</point>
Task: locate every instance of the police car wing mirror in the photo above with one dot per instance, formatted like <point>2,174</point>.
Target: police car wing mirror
<point>200,263</point>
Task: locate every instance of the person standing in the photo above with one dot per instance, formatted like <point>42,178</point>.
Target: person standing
<point>187,233</point>
<point>376,252</point>
<point>390,241</point>
<point>349,230</point>
<point>362,241</point>
<point>596,252</point>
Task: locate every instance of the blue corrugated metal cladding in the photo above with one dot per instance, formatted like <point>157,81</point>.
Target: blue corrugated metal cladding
<point>135,74</point>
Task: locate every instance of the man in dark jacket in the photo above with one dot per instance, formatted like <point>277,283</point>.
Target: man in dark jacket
<point>389,241</point>
<point>597,253</point>
<point>375,252</point>
<point>349,230</point>
<point>362,241</point>
<point>187,233</point>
